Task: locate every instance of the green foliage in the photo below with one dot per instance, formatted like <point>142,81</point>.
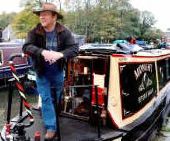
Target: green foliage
<point>105,19</point>
<point>23,22</point>
<point>6,19</point>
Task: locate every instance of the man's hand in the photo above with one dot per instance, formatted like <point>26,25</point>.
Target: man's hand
<point>51,56</point>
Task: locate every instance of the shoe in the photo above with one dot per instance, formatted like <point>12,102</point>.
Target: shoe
<point>50,136</point>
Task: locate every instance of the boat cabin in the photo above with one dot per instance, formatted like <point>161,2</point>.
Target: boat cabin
<point>128,87</point>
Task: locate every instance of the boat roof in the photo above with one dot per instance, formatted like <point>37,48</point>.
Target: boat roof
<point>10,44</point>
<point>97,46</point>
<point>122,48</point>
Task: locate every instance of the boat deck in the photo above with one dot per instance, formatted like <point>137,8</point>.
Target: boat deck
<point>73,130</point>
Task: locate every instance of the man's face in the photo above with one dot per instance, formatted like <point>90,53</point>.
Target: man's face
<point>47,19</point>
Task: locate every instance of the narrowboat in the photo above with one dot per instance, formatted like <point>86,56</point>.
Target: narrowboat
<point>22,65</point>
<point>109,94</point>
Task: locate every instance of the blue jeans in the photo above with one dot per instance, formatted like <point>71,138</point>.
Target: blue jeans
<point>44,84</point>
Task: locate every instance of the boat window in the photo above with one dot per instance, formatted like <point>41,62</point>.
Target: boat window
<point>163,73</point>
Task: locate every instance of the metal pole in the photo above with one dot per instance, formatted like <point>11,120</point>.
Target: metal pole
<point>21,104</point>
<point>98,113</point>
<point>21,107</point>
<point>9,102</point>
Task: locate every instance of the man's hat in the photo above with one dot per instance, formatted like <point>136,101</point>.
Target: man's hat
<point>47,7</point>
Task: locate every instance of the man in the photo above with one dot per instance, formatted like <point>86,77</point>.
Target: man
<point>49,44</point>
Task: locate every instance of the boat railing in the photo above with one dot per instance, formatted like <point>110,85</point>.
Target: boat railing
<point>17,128</point>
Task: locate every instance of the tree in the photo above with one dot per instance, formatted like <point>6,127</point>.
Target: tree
<point>106,19</point>
<point>6,19</point>
<point>147,20</point>
<point>23,22</point>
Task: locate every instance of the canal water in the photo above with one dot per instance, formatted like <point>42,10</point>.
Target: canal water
<point>162,135</point>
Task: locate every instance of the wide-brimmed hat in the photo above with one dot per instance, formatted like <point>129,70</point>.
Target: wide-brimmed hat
<point>47,7</point>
